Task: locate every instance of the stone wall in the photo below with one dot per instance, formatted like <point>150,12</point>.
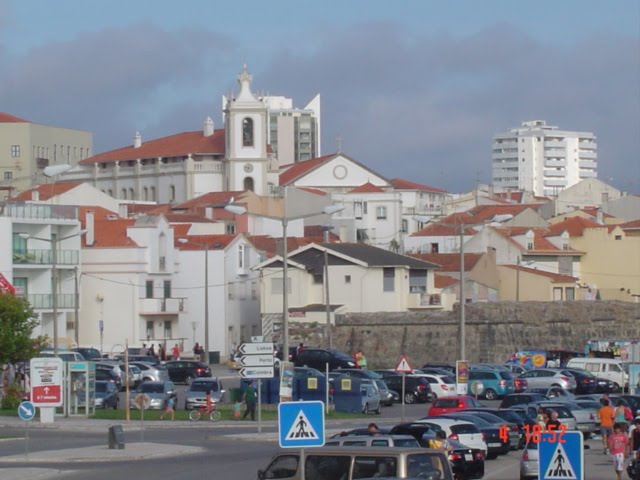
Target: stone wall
<point>493,330</point>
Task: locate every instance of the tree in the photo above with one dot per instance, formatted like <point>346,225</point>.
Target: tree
<point>17,322</point>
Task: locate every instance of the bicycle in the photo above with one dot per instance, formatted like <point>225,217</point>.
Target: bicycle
<point>214,414</point>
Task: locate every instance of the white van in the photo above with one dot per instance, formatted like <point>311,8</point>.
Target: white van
<point>607,368</point>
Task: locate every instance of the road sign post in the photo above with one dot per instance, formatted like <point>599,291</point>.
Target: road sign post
<point>142,401</point>
<point>26,412</point>
<point>256,362</point>
<point>46,386</point>
<point>561,456</point>
<point>403,367</point>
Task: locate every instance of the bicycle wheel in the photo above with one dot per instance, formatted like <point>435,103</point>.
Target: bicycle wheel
<point>215,416</point>
<point>194,415</point>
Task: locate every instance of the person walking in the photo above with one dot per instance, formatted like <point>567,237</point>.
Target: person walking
<point>196,352</point>
<point>553,423</point>
<point>250,402</point>
<point>634,436</point>
<point>362,360</point>
<point>619,446</point>
<point>144,349</point>
<point>170,409</point>
<point>605,415</point>
<point>175,352</point>
<point>162,355</point>
<point>152,351</point>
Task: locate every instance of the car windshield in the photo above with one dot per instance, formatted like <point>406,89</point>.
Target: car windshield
<point>204,386</point>
<point>341,356</point>
<point>506,375</point>
<point>151,388</point>
<point>462,428</point>
<point>420,465</point>
<point>381,385</point>
<point>448,380</point>
<point>476,420</point>
<point>446,403</point>
<point>101,387</point>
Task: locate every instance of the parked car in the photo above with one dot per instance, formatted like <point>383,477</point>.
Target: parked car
<point>467,463</point>
<point>185,371</point>
<point>553,393</point>
<point>370,397</point>
<point>360,432</point>
<point>590,383</point>
<point>586,416</point>
<point>445,366</point>
<point>373,441</point>
<point>151,372</point>
<point>521,399</point>
<point>115,374</point>
<point>432,371</point>
<point>500,421</point>
<point>106,395</point>
<point>159,392</point>
<point>529,462</point>
<point>516,368</point>
<point>496,444</point>
<point>88,353</point>
<point>318,358</point>
<point>386,372</point>
<point>108,375</point>
<point>608,368</point>
<point>196,394</point>
<point>444,405</point>
<point>359,373</point>
<point>522,421</point>
<point>441,386</point>
<point>463,431</point>
<point>66,355</point>
<point>386,397</point>
<point>520,384</point>
<point>416,389</point>
<point>497,383</point>
<point>564,413</point>
<point>139,358</point>
<point>549,377</point>
<point>135,374</point>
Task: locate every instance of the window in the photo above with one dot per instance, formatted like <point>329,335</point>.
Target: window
<point>388,276</point>
<point>247,132</point>
<point>8,175</point>
<point>405,226</point>
<point>284,466</point>
<point>131,194</point>
<point>276,286</point>
<point>570,293</point>
<point>124,193</point>
<point>618,237</point>
<point>21,286</point>
<point>244,257</point>
<point>167,289</point>
<point>381,213</point>
<point>529,245</point>
<point>248,184</point>
<point>149,289</point>
<point>347,279</point>
<point>557,294</point>
<point>435,248</point>
<point>167,329</point>
<point>318,278</point>
<point>369,467</point>
<point>418,281</point>
<point>172,193</point>
<point>15,150</point>
<point>361,235</point>
<point>153,194</point>
<point>357,210</point>
<point>145,192</point>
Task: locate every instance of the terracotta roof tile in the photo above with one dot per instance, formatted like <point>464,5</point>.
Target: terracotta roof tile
<point>575,226</point>
<point>632,225</point>
<point>593,211</point>
<point>271,246</point>
<point>186,218</point>
<point>483,213</point>
<point>198,242</point>
<point>210,199</point>
<point>111,234</point>
<point>147,208</point>
<point>450,262</point>
<point>555,277</point>
<point>443,281</point>
<point>296,170</point>
<point>180,230</point>
<point>313,190</point>
<point>402,184</point>
<point>367,188</point>
<point>438,230</point>
<point>8,118</point>
<point>171,146</point>
<point>316,233</point>
<point>99,213</point>
<point>45,191</point>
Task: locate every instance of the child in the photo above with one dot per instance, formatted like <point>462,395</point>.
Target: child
<point>237,410</point>
<point>619,448</point>
<point>170,409</point>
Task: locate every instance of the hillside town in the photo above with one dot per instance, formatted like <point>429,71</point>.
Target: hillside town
<point>182,239</point>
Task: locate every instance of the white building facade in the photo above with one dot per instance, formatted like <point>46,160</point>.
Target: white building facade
<point>543,159</point>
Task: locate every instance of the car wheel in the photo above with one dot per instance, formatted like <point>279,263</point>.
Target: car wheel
<point>365,410</point>
<point>431,397</point>
<point>409,398</point>
<point>616,387</point>
<point>490,394</point>
<point>188,380</point>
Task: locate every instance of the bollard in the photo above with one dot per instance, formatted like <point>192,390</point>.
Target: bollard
<point>116,437</point>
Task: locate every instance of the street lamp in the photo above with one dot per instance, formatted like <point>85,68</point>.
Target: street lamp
<point>206,293</point>
<point>54,278</point>
<point>326,229</point>
<point>328,210</point>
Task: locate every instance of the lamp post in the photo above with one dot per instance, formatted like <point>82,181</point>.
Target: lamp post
<point>206,293</point>
<point>54,278</point>
<point>328,210</point>
<point>326,229</point>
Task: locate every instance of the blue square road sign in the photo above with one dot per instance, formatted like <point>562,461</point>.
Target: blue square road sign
<point>561,456</point>
<point>301,424</point>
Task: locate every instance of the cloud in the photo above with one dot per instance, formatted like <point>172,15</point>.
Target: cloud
<point>428,106</point>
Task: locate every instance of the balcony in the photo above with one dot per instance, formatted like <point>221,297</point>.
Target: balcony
<point>587,155</point>
<point>45,257</point>
<point>422,210</point>
<point>555,144</point>
<point>587,145</point>
<point>506,156</point>
<point>553,182</point>
<point>587,174</point>
<point>32,211</point>
<point>44,301</point>
<point>587,164</point>
<point>555,163</point>
<point>555,173</point>
<point>157,306</point>
<point>424,300</point>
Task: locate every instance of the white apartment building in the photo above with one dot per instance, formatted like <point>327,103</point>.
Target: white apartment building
<point>26,148</point>
<point>542,159</point>
<point>29,233</point>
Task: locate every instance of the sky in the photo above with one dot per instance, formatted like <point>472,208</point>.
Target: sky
<point>413,89</point>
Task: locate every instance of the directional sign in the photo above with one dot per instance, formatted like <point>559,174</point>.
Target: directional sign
<point>256,348</point>
<point>301,424</point>
<point>26,411</point>
<point>257,372</point>
<point>403,365</point>
<point>561,456</point>
<point>46,381</point>
<point>256,360</point>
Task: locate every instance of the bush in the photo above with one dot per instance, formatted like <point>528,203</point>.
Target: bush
<point>13,398</point>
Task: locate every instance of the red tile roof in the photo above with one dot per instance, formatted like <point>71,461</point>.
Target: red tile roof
<point>313,190</point>
<point>171,146</point>
<point>199,242</point>
<point>180,230</point>
<point>45,191</point>
<point>540,244</point>
<point>632,225</point>
<point>575,226</point>
<point>438,230</point>
<point>186,218</point>
<point>367,188</point>
<point>513,196</point>
<point>483,213</point>
<point>593,211</point>
<point>210,199</point>
<point>555,277</point>
<point>449,262</point>
<point>8,118</point>
<point>294,171</point>
<point>402,184</point>
<point>315,233</point>
<point>443,281</point>
<point>111,234</point>
<point>147,208</point>
<point>270,245</point>
<point>99,213</point>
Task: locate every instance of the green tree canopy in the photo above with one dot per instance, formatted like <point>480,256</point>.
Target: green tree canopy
<point>17,321</point>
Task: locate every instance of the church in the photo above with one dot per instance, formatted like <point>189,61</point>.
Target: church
<point>182,166</point>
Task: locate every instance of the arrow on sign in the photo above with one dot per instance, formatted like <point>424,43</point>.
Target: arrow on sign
<point>256,361</point>
<point>256,348</point>
<point>257,372</point>
<point>46,390</point>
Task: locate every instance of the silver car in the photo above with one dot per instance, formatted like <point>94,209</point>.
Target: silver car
<point>529,462</point>
<point>151,372</point>
<point>158,392</point>
<point>196,394</point>
<point>370,397</point>
<point>386,397</point>
<point>549,377</point>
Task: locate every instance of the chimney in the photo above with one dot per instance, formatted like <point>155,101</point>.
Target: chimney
<point>207,129</point>
<point>208,213</point>
<point>90,226</point>
<point>137,140</point>
<point>123,210</point>
<point>35,195</point>
<point>600,216</point>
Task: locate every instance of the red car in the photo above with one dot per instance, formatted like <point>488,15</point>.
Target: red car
<point>520,384</point>
<point>453,404</point>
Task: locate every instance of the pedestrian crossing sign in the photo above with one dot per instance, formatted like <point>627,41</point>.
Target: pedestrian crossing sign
<point>301,424</point>
<point>561,456</point>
